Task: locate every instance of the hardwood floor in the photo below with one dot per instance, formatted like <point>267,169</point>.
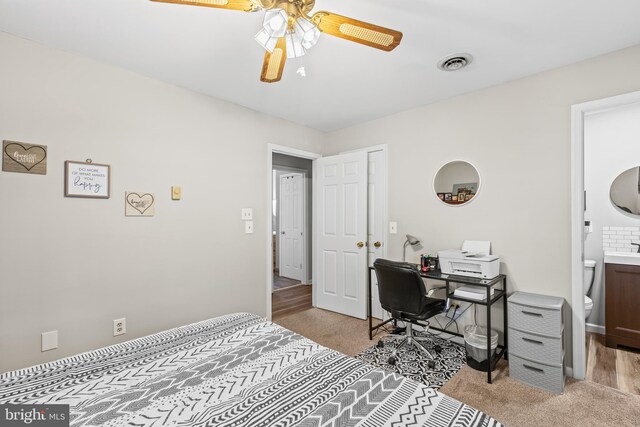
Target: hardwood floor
<point>616,368</point>
<point>290,300</point>
<point>280,282</point>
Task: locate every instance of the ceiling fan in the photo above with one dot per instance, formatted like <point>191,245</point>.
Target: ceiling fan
<point>289,31</point>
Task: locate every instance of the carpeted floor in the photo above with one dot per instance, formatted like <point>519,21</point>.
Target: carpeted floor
<point>511,402</point>
<point>345,334</point>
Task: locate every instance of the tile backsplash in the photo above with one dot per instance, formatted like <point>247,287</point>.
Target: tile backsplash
<point>619,239</point>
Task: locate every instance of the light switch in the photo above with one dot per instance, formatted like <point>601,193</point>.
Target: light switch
<point>49,340</point>
<point>176,192</point>
<point>588,228</point>
<point>247,214</point>
<point>248,227</point>
<point>393,227</point>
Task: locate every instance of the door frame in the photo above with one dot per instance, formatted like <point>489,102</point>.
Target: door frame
<point>578,113</point>
<point>289,151</point>
<point>305,226</point>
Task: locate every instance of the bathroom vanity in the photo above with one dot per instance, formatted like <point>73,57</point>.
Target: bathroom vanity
<point>622,293</point>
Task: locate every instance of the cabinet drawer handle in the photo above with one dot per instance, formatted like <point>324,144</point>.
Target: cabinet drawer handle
<point>531,313</point>
<point>533,368</point>
<point>532,341</point>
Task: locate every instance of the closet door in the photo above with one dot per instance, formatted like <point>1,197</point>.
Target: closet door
<point>291,225</point>
<point>376,222</point>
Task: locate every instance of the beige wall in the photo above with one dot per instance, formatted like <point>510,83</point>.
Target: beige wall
<point>518,136</point>
<point>76,264</point>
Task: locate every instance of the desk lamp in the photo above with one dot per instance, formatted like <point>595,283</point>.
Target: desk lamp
<point>411,240</point>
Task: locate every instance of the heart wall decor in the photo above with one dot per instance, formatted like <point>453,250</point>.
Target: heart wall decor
<point>24,158</point>
<point>139,204</point>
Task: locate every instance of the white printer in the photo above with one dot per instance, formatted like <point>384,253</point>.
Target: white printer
<point>474,260</point>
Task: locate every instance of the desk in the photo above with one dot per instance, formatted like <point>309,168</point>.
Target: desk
<point>501,351</point>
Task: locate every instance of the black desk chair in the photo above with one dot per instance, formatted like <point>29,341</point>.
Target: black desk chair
<point>404,295</point>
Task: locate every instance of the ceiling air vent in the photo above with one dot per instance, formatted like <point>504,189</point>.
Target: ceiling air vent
<point>455,62</point>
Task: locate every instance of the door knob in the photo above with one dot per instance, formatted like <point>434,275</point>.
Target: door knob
<point>377,244</point>
<point>360,244</point>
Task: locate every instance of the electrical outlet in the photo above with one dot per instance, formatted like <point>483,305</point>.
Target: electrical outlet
<point>247,214</point>
<point>248,227</point>
<point>119,327</point>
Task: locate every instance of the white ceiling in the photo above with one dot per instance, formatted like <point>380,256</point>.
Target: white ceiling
<point>212,51</point>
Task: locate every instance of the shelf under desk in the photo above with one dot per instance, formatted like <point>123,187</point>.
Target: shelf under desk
<point>488,301</point>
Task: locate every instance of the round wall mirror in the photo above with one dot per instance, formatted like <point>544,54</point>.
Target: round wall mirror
<point>457,183</point>
<point>625,191</point>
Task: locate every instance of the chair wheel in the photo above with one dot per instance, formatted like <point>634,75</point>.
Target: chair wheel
<point>391,360</point>
<point>380,344</point>
<point>431,364</point>
<point>438,349</point>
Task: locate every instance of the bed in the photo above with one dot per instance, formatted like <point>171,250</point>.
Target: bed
<point>233,370</point>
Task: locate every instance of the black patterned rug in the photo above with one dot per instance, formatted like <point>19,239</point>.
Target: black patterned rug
<point>412,363</point>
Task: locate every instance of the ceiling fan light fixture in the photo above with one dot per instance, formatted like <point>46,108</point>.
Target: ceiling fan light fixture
<point>303,37</point>
<point>289,29</point>
<point>265,40</point>
<point>274,26</point>
<point>308,32</point>
<point>295,49</point>
<point>275,22</point>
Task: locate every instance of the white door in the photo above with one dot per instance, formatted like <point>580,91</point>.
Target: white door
<point>340,218</point>
<point>291,225</point>
<point>377,220</point>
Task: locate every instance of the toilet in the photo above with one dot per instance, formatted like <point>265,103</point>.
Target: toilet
<point>589,278</point>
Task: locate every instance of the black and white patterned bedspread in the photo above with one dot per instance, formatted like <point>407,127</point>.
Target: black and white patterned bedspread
<point>234,370</point>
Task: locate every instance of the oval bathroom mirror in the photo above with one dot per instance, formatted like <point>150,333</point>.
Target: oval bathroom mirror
<point>456,183</point>
<point>625,191</point>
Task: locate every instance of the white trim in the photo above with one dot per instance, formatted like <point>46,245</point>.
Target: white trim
<point>590,327</point>
<point>568,371</point>
<point>273,148</point>
<point>578,113</point>
<point>289,151</point>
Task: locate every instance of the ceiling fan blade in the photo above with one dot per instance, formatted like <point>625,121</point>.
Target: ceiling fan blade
<point>274,62</point>
<point>244,5</point>
<point>357,31</point>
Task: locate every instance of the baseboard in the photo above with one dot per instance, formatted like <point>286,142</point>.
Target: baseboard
<point>589,327</point>
<point>568,371</point>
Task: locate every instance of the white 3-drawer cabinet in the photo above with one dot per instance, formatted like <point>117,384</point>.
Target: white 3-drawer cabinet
<point>536,340</point>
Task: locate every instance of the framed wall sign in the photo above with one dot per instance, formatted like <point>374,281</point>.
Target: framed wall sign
<point>24,158</point>
<point>139,204</point>
<point>86,179</point>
